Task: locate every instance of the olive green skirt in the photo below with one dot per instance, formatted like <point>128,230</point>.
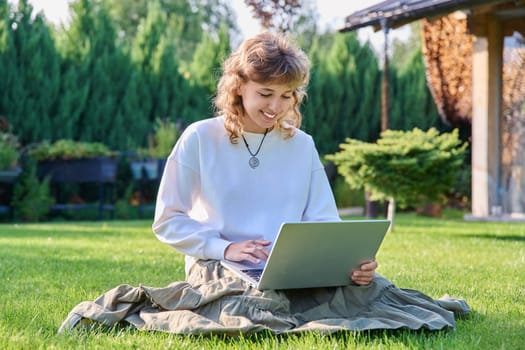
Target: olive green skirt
<point>213,300</point>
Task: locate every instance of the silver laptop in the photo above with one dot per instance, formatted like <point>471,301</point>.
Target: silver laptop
<point>314,254</point>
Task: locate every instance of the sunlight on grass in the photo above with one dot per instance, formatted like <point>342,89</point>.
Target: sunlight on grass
<point>49,268</point>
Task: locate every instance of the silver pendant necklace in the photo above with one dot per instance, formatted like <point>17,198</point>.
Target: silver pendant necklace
<point>254,161</point>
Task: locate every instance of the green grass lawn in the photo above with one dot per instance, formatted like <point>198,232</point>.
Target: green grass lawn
<point>47,269</point>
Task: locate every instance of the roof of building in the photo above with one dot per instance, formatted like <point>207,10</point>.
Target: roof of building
<point>395,13</point>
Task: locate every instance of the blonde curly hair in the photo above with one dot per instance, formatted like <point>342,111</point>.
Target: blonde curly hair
<point>265,58</point>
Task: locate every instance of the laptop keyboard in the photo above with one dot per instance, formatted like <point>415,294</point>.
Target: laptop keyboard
<point>254,273</point>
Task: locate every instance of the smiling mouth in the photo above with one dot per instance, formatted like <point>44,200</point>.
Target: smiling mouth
<point>268,115</point>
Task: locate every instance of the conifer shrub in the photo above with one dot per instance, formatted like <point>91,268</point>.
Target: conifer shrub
<point>9,146</point>
<point>412,167</point>
<point>32,199</point>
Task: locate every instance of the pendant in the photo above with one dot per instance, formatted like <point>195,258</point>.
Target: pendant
<point>254,162</point>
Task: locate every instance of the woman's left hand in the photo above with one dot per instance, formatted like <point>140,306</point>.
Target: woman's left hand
<point>364,275</point>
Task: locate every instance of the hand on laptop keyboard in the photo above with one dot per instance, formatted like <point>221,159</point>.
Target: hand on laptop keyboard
<point>254,251</point>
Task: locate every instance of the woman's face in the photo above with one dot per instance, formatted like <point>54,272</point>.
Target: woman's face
<point>264,105</point>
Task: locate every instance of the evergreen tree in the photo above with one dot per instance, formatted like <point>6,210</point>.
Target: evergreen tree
<point>403,50</point>
<point>74,46</point>
<point>145,55</point>
<point>171,91</point>
<point>105,68</point>
<point>32,94</point>
<point>411,103</point>
<point>313,98</point>
<point>187,20</point>
<point>135,107</point>
<point>342,97</point>
<point>32,199</point>
<point>408,168</point>
<point>208,58</point>
<point>319,114</point>
<point>367,79</point>
<point>112,80</point>
<point>74,91</point>
<point>7,59</point>
<point>150,31</point>
<point>153,53</point>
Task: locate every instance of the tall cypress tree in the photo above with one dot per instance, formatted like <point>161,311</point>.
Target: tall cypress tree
<point>146,54</point>
<point>343,92</point>
<point>204,73</point>
<point>366,122</point>
<point>7,59</point>
<point>412,104</point>
<point>321,114</point>
<point>104,68</point>
<point>171,89</point>
<point>32,96</point>
<point>150,31</point>
<point>109,77</point>
<point>134,110</point>
<point>208,58</point>
<point>74,90</point>
<point>74,45</point>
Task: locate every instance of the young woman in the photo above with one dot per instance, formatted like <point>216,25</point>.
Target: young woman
<point>233,180</point>
<point>228,185</point>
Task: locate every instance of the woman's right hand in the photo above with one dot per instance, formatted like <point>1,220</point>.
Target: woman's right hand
<point>253,250</point>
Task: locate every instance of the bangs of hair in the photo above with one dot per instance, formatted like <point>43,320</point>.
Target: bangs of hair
<point>281,71</point>
<point>274,60</point>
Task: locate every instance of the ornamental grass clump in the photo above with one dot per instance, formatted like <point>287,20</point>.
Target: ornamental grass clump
<point>409,168</point>
<point>165,135</point>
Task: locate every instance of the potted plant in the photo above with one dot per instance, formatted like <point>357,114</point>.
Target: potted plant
<point>149,162</point>
<point>144,167</point>
<point>68,161</point>
<point>73,161</point>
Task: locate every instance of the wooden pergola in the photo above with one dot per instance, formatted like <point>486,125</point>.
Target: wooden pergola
<point>488,21</point>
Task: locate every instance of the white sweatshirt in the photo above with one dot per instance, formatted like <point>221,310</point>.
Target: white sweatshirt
<point>209,196</point>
